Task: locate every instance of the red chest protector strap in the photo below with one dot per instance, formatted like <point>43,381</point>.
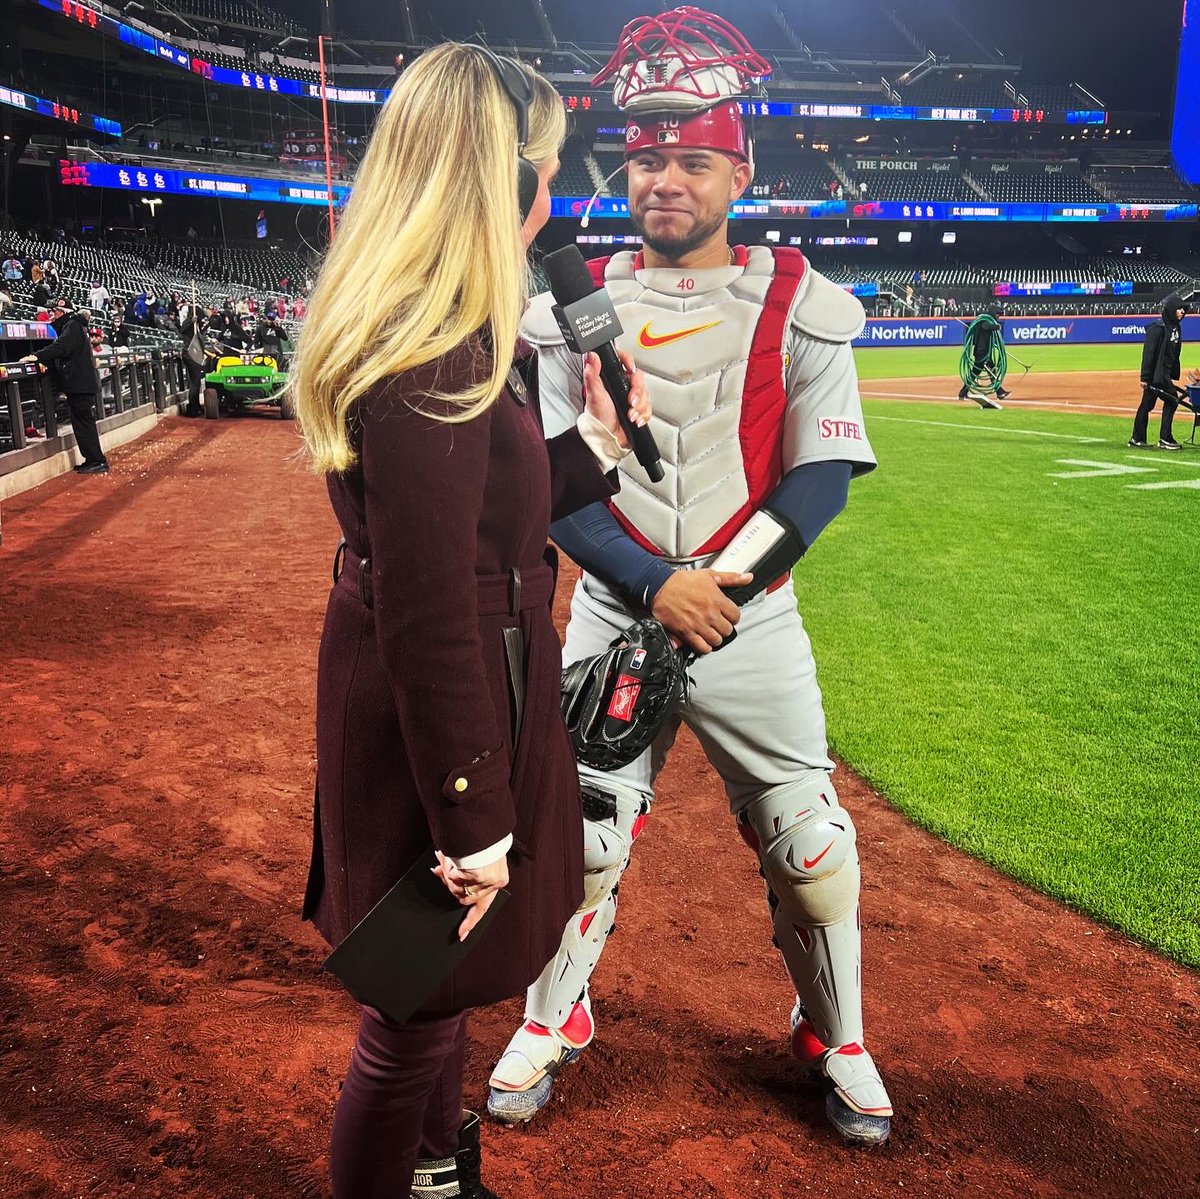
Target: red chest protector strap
<point>764,397</point>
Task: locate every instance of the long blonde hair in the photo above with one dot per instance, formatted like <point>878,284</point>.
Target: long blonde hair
<point>429,249</point>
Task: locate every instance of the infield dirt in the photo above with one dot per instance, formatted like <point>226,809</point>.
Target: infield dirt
<point>164,1026</point>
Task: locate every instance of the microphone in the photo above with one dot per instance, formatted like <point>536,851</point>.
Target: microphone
<point>589,324</point>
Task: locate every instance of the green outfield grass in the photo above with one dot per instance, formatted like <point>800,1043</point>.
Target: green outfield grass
<point>912,362</point>
<point>1013,659</point>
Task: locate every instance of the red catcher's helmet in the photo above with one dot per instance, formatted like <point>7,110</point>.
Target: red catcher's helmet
<point>682,61</point>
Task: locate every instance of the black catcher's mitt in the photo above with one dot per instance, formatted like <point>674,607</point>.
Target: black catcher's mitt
<point>615,703</point>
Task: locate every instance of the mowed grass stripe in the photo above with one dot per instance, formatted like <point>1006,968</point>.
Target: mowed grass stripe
<point>933,361</point>
<point>1011,659</point>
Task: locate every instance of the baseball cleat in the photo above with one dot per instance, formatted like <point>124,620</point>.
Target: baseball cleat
<point>523,1079</point>
<point>1134,444</point>
<point>857,1104</point>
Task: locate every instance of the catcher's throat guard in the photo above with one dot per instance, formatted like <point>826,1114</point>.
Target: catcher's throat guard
<point>615,703</point>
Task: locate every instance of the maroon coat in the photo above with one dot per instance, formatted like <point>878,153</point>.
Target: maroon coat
<point>413,691</point>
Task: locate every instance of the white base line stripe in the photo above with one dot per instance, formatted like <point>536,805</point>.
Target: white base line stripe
<point>944,424</point>
<point>1009,403</point>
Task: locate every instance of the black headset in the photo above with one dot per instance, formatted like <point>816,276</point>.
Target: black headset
<point>519,89</point>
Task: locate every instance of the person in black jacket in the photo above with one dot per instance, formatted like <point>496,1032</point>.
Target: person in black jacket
<point>1160,369</point>
<point>75,371</point>
<point>193,361</point>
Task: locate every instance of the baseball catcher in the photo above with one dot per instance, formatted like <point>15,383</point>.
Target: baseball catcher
<point>748,361</point>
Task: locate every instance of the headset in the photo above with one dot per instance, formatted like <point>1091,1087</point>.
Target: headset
<point>519,89</point>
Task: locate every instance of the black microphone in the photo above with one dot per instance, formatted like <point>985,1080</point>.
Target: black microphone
<point>589,324</point>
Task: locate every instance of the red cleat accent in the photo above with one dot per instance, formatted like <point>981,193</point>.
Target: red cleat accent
<point>578,1027</point>
<point>807,1047</point>
<point>638,825</point>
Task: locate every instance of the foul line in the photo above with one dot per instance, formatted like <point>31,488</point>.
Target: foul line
<point>1008,403</point>
<point>943,424</point>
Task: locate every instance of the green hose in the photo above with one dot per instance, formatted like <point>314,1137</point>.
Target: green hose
<point>996,362</point>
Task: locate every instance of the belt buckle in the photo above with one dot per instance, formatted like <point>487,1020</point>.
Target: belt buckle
<point>339,558</point>
<point>363,563</point>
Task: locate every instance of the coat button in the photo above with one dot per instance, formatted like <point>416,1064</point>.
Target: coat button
<point>460,784</point>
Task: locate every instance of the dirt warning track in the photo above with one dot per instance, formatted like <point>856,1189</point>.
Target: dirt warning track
<point>164,1026</point>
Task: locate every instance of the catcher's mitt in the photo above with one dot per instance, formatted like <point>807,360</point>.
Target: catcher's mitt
<point>615,703</point>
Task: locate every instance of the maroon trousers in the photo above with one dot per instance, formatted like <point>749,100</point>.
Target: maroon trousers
<point>401,1100</point>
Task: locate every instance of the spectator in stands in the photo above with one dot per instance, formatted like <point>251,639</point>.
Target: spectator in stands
<point>1160,369</point>
<point>41,296</point>
<point>98,298</point>
<point>141,309</point>
<point>13,271</point>
<point>6,300</point>
<point>74,366</point>
<point>96,339</point>
<point>50,274</point>
<point>119,335</point>
<point>299,308</point>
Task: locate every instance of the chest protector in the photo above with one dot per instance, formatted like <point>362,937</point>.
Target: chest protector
<point>713,361</point>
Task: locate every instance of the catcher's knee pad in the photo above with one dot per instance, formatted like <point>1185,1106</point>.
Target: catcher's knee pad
<point>805,844</point>
<point>614,814</point>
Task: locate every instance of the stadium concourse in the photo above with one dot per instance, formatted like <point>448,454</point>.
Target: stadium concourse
<point>167,1030</point>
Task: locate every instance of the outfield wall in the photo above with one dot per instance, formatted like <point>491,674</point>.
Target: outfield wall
<point>1018,330</point>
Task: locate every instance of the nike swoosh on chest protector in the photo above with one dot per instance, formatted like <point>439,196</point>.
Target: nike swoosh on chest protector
<point>648,341</point>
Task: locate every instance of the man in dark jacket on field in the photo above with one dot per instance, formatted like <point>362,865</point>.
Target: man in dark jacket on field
<point>1160,369</point>
<point>75,371</point>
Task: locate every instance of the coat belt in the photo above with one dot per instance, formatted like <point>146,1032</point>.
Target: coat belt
<point>499,595</point>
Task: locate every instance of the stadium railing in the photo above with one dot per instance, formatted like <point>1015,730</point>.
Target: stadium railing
<point>132,384</point>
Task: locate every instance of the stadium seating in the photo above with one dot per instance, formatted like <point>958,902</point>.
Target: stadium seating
<point>244,14</point>
<point>1144,184</point>
<point>573,179</point>
<point>1021,187</point>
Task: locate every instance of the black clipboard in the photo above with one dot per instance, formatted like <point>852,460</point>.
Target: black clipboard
<point>398,954</point>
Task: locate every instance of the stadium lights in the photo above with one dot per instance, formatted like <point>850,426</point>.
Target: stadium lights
<point>905,235</point>
<point>866,137</point>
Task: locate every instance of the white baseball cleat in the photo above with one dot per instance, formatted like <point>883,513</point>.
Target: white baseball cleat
<point>521,1083</point>
<point>857,1105</point>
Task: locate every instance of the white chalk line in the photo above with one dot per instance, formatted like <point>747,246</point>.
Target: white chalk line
<point>943,424</point>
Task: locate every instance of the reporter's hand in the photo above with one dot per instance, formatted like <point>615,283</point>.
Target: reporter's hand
<point>691,606</point>
<point>475,889</point>
<point>599,403</point>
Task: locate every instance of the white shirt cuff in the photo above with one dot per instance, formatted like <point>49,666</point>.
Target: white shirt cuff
<point>601,441</point>
<point>484,857</point>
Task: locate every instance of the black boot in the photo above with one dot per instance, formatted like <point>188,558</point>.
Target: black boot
<point>457,1175</point>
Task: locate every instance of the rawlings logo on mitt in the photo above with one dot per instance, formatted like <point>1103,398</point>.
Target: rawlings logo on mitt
<point>615,703</point>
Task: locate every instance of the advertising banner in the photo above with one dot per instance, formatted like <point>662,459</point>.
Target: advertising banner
<point>1018,330</point>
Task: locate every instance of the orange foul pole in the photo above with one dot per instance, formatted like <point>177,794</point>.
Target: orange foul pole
<point>325,127</point>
